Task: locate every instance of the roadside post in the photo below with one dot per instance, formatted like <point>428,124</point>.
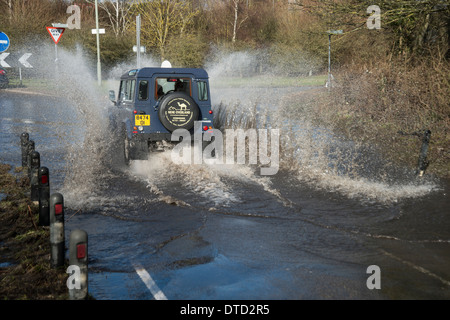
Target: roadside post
<point>330,76</point>
<point>57,230</point>
<point>24,140</point>
<point>99,63</point>
<point>78,259</point>
<point>138,41</point>
<point>44,196</point>
<point>35,163</point>
<point>30,149</point>
<point>423,164</point>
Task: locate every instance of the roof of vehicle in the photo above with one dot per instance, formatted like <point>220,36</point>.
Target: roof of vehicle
<point>149,72</point>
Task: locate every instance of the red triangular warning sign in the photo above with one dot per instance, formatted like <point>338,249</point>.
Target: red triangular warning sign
<point>56,33</point>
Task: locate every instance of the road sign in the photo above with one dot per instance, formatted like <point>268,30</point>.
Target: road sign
<point>100,31</point>
<point>4,42</point>
<point>22,60</point>
<point>60,25</point>
<point>143,49</point>
<point>56,33</point>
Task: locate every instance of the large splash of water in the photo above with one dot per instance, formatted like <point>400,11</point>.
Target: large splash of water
<point>314,155</point>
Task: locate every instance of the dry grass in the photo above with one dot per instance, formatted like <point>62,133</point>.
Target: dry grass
<point>372,106</point>
<point>24,247</point>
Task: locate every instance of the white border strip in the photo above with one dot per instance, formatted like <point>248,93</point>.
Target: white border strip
<point>150,283</point>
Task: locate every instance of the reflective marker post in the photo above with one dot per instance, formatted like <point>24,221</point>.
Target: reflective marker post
<point>35,163</point>
<point>57,230</point>
<point>423,164</point>
<point>78,258</point>
<point>24,140</point>
<point>44,196</point>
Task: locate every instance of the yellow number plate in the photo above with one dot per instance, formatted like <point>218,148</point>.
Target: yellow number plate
<point>142,120</point>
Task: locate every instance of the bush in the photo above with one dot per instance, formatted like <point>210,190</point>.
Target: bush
<point>188,50</point>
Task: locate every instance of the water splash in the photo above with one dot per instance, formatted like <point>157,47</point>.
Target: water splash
<point>316,155</point>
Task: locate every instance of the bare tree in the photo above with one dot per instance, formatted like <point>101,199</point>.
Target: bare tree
<point>164,18</point>
<point>28,15</point>
<point>118,12</point>
<point>238,21</point>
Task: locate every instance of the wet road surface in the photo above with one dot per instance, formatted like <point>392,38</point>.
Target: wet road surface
<point>225,232</point>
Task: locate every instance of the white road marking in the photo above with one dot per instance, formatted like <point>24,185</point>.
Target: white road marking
<point>150,283</point>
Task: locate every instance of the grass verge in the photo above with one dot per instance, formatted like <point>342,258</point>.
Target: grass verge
<point>373,106</point>
<point>25,271</point>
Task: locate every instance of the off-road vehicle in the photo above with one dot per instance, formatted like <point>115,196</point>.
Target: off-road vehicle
<point>154,102</point>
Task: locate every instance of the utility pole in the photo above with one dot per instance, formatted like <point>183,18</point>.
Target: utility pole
<point>99,65</point>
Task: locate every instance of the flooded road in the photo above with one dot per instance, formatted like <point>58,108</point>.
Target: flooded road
<point>225,232</point>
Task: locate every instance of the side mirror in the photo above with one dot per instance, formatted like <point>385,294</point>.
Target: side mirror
<point>112,96</point>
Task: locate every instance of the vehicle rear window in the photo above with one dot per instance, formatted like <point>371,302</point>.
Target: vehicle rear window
<point>166,85</point>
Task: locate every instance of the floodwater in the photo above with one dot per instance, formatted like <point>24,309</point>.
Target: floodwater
<point>205,231</point>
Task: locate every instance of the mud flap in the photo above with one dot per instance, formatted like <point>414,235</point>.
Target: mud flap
<point>138,148</point>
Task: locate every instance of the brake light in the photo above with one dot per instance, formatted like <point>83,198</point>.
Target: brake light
<point>205,128</point>
<point>81,251</point>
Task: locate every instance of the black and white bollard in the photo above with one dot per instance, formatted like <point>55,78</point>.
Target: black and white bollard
<point>44,196</point>
<point>78,264</point>
<point>24,140</point>
<point>423,164</point>
<point>57,230</point>
<point>35,163</point>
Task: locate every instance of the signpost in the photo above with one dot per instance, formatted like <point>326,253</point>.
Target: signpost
<point>138,41</point>
<point>99,64</point>
<point>56,34</point>
<point>330,33</point>
<point>4,42</point>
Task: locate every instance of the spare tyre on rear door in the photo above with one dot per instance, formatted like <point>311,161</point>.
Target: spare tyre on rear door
<point>177,110</point>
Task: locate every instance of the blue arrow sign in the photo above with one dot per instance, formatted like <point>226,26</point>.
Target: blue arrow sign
<point>4,42</point>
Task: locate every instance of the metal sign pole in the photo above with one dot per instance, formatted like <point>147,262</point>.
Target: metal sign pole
<point>56,59</point>
<point>329,62</point>
<point>330,33</point>
<point>99,66</point>
<point>138,40</point>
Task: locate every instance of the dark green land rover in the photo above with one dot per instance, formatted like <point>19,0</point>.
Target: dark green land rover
<point>154,102</point>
